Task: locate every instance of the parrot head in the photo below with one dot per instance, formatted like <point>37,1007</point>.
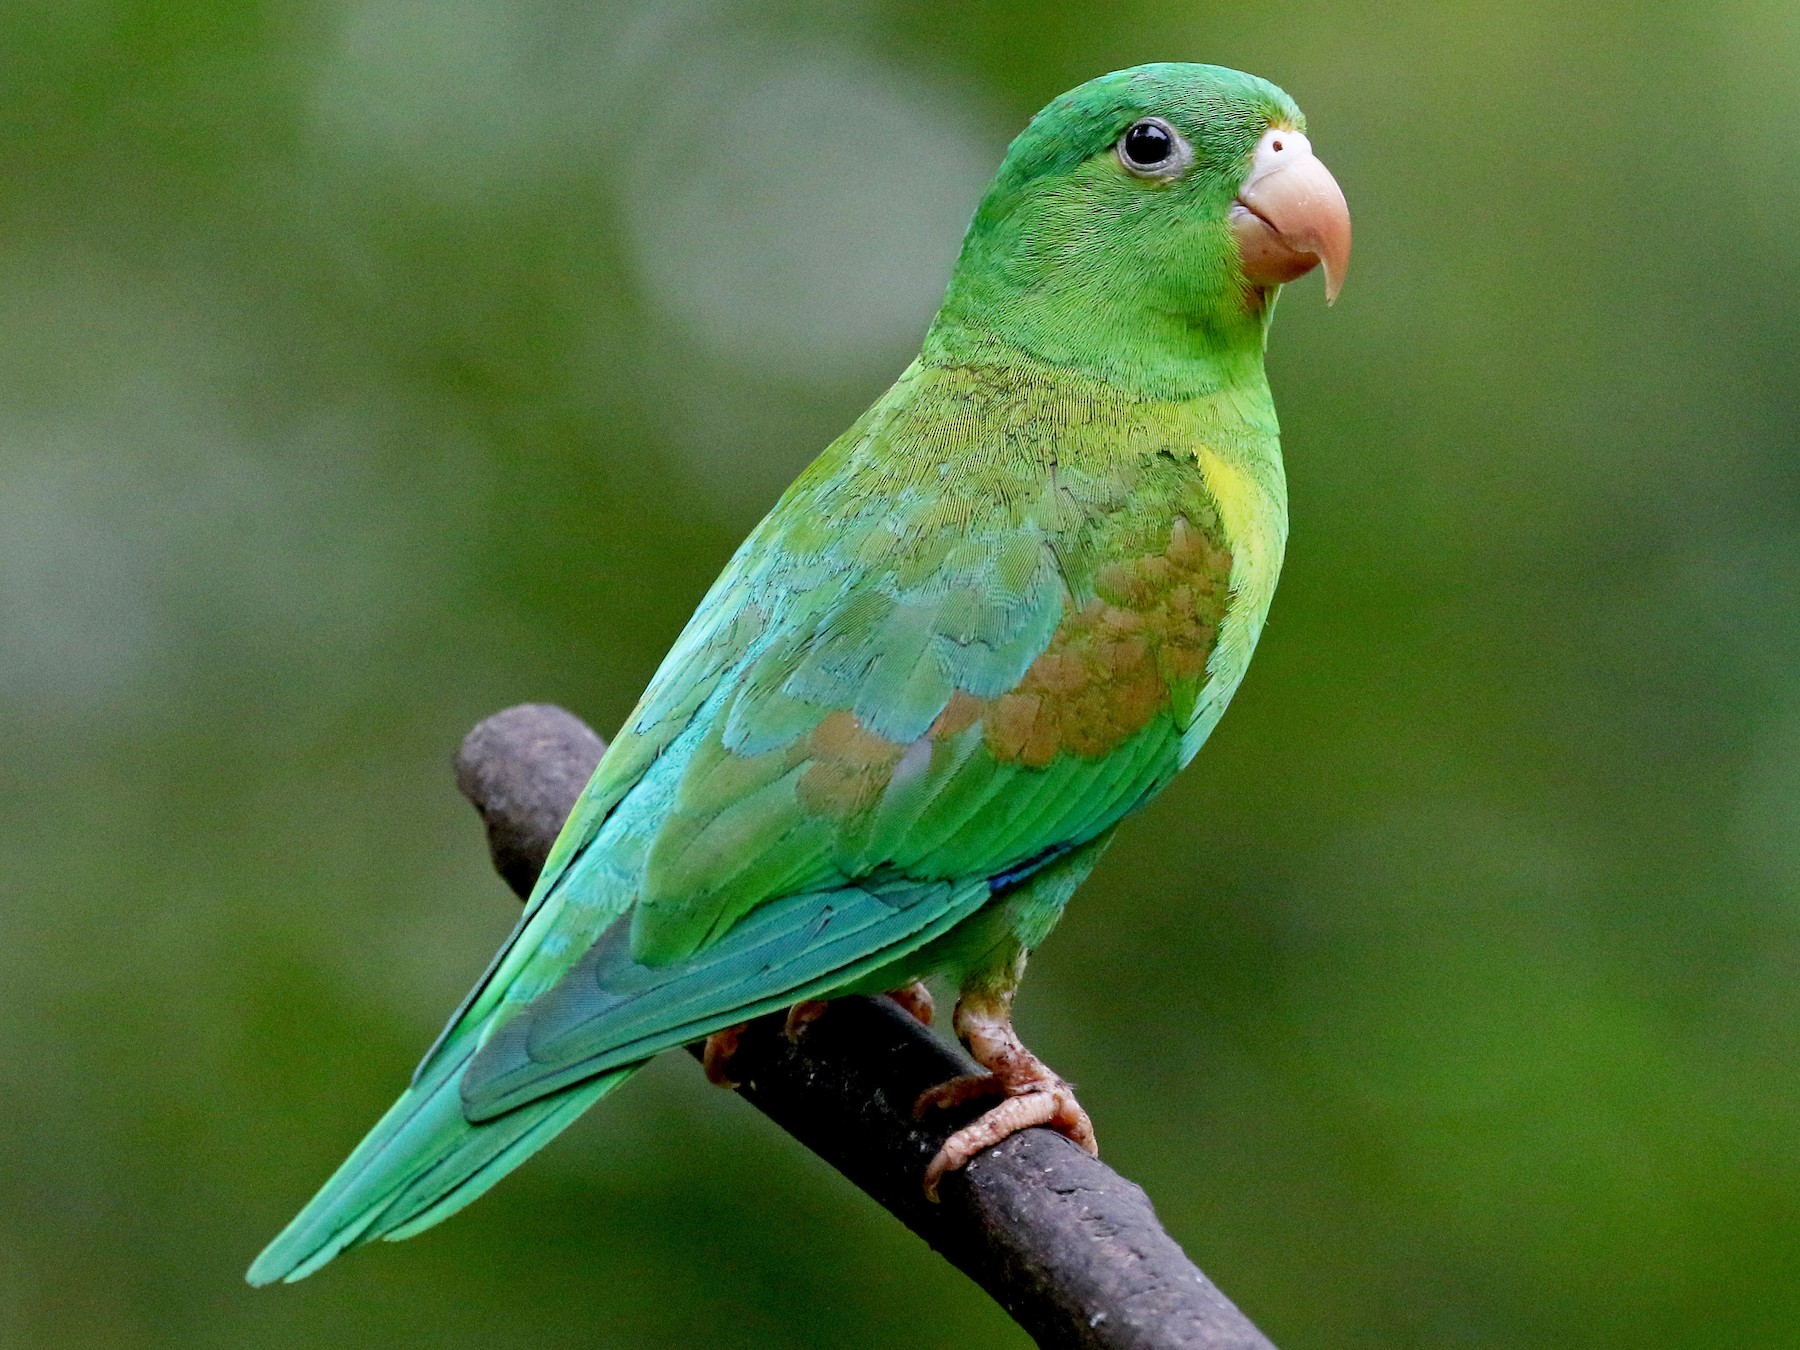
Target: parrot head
<point>1164,204</point>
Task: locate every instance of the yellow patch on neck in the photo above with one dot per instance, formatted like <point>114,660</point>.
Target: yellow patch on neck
<point>1253,509</point>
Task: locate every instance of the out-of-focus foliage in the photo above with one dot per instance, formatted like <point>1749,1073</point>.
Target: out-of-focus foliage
<point>367,366</point>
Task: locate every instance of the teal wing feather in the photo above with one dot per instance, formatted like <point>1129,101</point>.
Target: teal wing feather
<point>423,1161</point>
<point>611,1010</point>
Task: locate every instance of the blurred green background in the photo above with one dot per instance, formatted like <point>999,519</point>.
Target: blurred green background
<point>368,366</point>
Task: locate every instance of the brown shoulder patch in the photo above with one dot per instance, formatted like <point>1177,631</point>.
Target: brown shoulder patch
<point>1114,663</point>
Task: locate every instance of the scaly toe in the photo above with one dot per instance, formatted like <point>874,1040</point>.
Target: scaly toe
<point>1052,1104</point>
<point>971,1087</point>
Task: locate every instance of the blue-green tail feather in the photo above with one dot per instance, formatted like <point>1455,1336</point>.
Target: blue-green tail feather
<point>420,1164</point>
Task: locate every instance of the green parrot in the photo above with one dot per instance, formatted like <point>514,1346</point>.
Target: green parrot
<point>994,618</point>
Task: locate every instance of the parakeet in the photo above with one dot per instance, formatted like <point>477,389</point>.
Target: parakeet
<point>993,619</point>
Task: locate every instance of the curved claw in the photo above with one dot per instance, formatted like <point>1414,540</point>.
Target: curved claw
<point>801,1016</point>
<point>716,1057</point>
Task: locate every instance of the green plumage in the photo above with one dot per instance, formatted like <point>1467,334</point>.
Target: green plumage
<point>990,621</point>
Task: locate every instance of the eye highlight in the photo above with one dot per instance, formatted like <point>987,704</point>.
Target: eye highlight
<point>1151,148</point>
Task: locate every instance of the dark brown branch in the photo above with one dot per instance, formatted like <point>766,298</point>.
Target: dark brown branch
<point>1068,1247</point>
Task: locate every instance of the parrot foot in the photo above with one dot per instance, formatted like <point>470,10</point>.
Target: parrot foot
<point>1034,1094</point>
<point>801,1016</point>
<point>716,1057</point>
<point>916,999</point>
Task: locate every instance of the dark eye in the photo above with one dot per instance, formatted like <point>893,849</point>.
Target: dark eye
<point>1152,147</point>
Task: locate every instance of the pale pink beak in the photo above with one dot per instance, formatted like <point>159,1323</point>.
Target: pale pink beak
<point>1290,216</point>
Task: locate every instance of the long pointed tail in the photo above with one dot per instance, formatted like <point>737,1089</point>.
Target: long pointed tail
<point>420,1164</point>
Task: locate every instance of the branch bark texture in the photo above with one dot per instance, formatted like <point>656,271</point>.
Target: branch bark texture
<point>1067,1246</point>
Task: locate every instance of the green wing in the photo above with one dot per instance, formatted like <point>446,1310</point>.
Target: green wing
<point>904,679</point>
<point>953,651</point>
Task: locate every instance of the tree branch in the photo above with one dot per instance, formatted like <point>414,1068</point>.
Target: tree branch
<point>1069,1248</point>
